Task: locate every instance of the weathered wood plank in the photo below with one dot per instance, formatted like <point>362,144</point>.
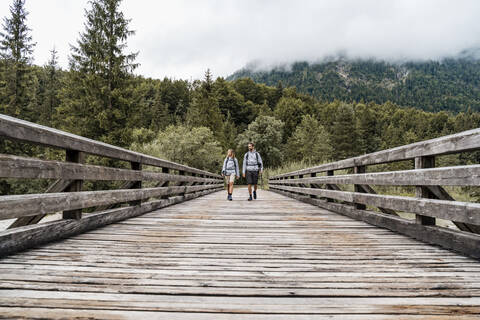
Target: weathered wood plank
<point>460,142</point>
<point>292,305</point>
<point>445,176</point>
<point>34,204</point>
<point>30,168</point>
<point>35,312</point>
<point>232,292</point>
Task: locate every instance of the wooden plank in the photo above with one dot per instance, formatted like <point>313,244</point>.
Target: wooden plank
<point>460,142</point>
<point>233,292</point>
<point>29,168</point>
<point>35,312</point>
<point>368,189</point>
<point>33,204</point>
<point>449,210</point>
<point>57,186</point>
<point>121,274</point>
<point>446,176</point>
<point>463,242</point>
<point>18,239</point>
<point>13,128</point>
<point>268,305</point>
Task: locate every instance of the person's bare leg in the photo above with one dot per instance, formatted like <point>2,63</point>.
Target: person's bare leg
<point>255,187</point>
<point>230,187</point>
<point>250,189</point>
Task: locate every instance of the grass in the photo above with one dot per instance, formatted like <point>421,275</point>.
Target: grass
<point>287,167</point>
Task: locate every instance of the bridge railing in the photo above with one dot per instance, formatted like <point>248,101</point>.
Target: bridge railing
<point>431,200</point>
<point>175,183</point>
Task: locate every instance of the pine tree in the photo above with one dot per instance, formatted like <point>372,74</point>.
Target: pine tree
<point>51,89</point>
<point>96,97</point>
<point>229,133</point>
<point>204,110</point>
<point>344,135</point>
<point>366,126</point>
<point>208,82</point>
<point>278,94</point>
<point>16,48</point>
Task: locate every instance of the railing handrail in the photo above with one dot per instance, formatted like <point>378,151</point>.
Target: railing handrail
<point>21,130</point>
<point>459,142</point>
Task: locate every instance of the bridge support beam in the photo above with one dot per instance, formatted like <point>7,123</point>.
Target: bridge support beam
<point>312,185</point>
<point>422,191</point>
<point>357,187</point>
<point>75,186</point>
<point>136,184</point>
<point>164,183</point>
<point>330,186</point>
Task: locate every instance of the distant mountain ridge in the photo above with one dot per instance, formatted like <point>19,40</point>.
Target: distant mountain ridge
<point>451,84</point>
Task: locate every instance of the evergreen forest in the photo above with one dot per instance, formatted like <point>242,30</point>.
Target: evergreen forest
<point>450,84</point>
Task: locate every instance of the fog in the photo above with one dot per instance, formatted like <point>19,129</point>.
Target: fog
<point>181,39</point>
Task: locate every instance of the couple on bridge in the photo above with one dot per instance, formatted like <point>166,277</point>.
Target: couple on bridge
<point>252,168</point>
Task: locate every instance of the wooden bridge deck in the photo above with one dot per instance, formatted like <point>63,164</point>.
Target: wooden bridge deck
<point>212,259</point>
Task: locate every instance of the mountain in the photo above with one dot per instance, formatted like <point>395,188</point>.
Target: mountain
<point>451,84</point>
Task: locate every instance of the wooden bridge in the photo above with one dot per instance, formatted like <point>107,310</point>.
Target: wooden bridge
<point>316,246</point>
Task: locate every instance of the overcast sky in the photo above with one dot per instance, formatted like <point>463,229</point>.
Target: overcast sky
<point>182,38</point>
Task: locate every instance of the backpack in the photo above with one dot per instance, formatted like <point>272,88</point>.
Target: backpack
<point>256,158</point>
<point>234,163</point>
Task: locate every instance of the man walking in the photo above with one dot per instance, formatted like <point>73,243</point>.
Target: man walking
<point>252,167</point>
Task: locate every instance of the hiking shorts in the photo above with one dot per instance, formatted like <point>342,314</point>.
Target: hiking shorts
<point>230,178</point>
<point>252,177</point>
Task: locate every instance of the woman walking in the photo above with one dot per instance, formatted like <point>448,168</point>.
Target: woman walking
<point>230,171</point>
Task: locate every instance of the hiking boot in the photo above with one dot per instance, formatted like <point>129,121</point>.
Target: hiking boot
<point>230,197</point>
<point>250,198</point>
<point>254,194</point>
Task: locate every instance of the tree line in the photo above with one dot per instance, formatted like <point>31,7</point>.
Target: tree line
<point>191,122</point>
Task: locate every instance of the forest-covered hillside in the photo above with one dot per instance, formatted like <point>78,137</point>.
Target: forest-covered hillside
<point>449,84</point>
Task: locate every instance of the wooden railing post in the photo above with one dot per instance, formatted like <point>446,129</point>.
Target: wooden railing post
<point>358,188</point>
<point>136,184</point>
<point>75,186</point>
<point>166,183</point>
<point>194,183</point>
<point>291,178</point>
<point>313,175</point>
<point>182,173</point>
<point>329,187</point>
<point>423,192</point>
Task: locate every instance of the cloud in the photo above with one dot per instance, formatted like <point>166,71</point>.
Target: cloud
<point>183,38</point>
